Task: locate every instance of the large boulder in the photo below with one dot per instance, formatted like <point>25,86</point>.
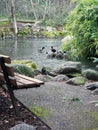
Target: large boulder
<point>90,74</point>
<point>69,67</point>
<point>76,81</point>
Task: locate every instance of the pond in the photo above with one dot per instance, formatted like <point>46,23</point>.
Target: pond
<point>28,49</point>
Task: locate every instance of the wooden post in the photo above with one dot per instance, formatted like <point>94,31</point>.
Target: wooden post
<point>9,87</point>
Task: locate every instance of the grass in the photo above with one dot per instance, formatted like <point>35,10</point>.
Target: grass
<point>39,111</point>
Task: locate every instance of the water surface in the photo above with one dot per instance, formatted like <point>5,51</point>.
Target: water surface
<point>28,49</point>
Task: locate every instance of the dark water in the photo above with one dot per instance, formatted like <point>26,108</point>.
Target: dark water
<point>28,49</point>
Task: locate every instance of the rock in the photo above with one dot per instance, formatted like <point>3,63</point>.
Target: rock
<point>69,67</point>
<point>44,71</point>
<point>95,92</point>
<point>90,74</point>
<point>60,77</point>
<point>53,74</point>
<point>23,69</point>
<point>92,86</point>
<point>48,71</point>
<point>23,126</point>
<point>44,78</point>
<point>37,72</point>
<point>76,81</point>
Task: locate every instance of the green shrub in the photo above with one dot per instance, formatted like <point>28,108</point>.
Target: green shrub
<point>82,24</point>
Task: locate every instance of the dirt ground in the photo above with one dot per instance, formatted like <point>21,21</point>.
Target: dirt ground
<point>8,118</point>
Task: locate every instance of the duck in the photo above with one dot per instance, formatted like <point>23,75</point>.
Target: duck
<point>41,50</point>
<point>50,55</point>
<point>59,55</point>
<point>52,49</point>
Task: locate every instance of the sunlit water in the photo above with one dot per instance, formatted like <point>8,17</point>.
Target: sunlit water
<point>28,49</point>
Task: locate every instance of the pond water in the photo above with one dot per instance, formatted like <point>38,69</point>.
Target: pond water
<point>28,49</point>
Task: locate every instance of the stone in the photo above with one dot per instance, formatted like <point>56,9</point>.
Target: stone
<point>23,126</point>
<point>92,86</point>
<point>60,77</point>
<point>69,67</point>
<point>90,74</point>
<point>44,78</point>
<point>95,92</point>
<point>76,81</point>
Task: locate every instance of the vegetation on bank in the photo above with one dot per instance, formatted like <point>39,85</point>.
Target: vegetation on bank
<point>26,30</point>
<point>82,28</point>
<point>25,67</point>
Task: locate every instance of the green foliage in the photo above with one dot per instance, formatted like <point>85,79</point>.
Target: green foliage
<point>74,99</point>
<point>82,24</point>
<point>23,31</point>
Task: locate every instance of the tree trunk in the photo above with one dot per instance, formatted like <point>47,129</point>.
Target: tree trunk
<point>13,19</point>
<point>33,10</point>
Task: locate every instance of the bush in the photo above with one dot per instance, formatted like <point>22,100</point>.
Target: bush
<point>82,24</point>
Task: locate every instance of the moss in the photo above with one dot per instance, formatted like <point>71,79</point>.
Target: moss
<point>75,74</point>
<point>90,74</point>
<point>80,80</point>
<point>96,128</point>
<point>76,81</point>
<point>39,111</point>
<point>28,63</point>
<point>94,115</point>
<point>23,69</point>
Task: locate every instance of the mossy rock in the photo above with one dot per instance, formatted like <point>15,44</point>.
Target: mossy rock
<point>90,74</point>
<point>76,81</point>
<point>23,69</point>
<point>28,63</point>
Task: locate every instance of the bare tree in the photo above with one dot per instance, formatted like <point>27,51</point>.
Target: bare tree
<point>13,18</point>
<point>32,4</point>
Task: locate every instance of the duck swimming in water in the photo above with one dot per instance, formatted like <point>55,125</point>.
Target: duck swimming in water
<point>41,50</point>
<point>52,49</point>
